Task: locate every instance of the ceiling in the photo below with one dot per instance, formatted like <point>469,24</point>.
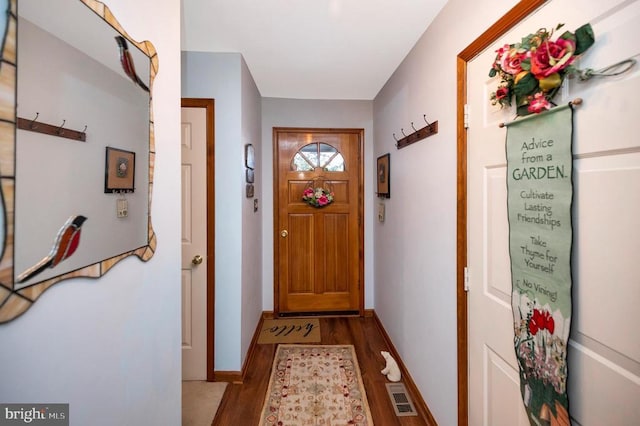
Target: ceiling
<point>311,49</point>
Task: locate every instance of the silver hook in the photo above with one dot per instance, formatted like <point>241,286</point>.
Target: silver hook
<point>414,129</point>
<point>60,131</point>
<point>424,116</point>
<point>85,129</point>
<point>394,136</point>
<point>402,130</point>
<point>33,122</point>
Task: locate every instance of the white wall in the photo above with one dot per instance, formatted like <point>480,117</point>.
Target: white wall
<point>251,221</point>
<point>111,347</point>
<point>225,77</point>
<point>278,112</point>
<point>415,248</point>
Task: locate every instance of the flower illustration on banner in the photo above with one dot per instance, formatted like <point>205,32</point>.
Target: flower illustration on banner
<point>542,358</point>
<point>533,70</point>
<point>317,197</point>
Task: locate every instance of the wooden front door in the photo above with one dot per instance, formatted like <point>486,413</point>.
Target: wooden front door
<point>318,250</point>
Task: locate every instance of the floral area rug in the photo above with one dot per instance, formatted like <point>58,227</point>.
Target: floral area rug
<point>315,385</point>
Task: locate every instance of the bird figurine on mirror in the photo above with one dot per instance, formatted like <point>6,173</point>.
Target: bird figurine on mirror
<point>65,244</point>
<point>127,62</point>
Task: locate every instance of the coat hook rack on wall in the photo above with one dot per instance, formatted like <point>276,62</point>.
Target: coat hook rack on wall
<point>429,130</point>
<point>49,129</point>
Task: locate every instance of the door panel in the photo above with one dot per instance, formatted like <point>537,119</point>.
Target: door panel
<point>318,264</point>
<point>604,350</point>
<point>194,243</point>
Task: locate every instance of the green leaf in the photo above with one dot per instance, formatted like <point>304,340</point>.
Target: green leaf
<point>526,85</point>
<point>567,36</point>
<point>584,38</point>
<point>523,110</point>
<point>493,72</point>
<point>526,65</point>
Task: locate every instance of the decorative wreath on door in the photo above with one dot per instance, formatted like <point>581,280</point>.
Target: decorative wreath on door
<point>317,194</point>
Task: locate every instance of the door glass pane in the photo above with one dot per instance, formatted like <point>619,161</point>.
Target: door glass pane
<point>336,164</point>
<point>316,155</point>
<point>300,164</point>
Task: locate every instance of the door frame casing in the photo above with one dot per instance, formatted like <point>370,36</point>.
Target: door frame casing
<point>209,105</point>
<point>516,14</point>
<point>276,202</point>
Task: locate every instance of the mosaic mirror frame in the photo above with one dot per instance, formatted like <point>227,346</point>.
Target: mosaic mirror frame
<point>14,299</point>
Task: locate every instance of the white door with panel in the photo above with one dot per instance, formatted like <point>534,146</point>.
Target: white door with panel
<point>194,244</point>
<point>604,348</point>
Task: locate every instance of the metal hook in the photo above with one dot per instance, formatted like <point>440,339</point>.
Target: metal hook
<point>60,131</point>
<point>394,136</point>
<point>414,129</point>
<point>424,116</point>
<point>402,130</point>
<point>85,129</point>
<point>33,122</point>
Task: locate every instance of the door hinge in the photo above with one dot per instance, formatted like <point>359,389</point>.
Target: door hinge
<point>466,279</point>
<point>466,116</point>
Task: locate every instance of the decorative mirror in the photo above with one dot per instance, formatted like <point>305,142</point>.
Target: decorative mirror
<point>77,150</point>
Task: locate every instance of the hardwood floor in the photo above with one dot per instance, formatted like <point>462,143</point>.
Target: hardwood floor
<point>242,403</point>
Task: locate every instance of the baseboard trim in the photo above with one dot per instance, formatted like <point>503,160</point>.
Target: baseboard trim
<point>418,401</point>
<point>228,376</point>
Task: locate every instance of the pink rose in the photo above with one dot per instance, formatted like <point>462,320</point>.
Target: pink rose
<point>539,103</point>
<point>307,192</point>
<point>502,93</point>
<point>551,57</point>
<point>511,61</point>
<point>323,200</point>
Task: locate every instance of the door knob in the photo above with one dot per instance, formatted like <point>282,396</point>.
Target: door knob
<point>284,233</point>
<point>197,259</point>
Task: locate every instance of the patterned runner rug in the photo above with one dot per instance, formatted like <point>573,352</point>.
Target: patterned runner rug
<point>315,385</point>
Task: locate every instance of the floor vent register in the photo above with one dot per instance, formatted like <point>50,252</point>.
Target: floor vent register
<point>402,404</point>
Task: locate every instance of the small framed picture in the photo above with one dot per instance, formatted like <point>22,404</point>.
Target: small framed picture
<point>249,156</point>
<point>250,175</point>
<point>119,173</point>
<point>383,176</point>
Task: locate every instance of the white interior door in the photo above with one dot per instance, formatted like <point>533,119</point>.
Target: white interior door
<point>194,244</point>
<point>604,348</point>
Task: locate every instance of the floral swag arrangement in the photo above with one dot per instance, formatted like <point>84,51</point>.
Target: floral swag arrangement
<point>317,197</point>
<point>533,70</point>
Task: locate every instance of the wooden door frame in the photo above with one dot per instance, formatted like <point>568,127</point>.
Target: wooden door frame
<point>209,105</point>
<point>519,12</point>
<point>276,203</point>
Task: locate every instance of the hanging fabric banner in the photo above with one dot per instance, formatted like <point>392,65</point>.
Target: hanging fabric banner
<point>540,193</point>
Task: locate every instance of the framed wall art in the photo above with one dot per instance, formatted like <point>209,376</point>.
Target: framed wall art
<point>119,174</point>
<point>383,176</point>
<point>250,176</point>
<point>249,156</point>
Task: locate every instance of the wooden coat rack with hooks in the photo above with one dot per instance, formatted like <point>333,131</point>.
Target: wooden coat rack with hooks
<point>50,129</point>
<point>418,134</point>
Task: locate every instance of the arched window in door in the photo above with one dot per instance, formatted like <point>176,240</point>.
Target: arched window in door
<point>318,155</point>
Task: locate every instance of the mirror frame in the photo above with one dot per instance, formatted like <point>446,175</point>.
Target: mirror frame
<point>14,302</point>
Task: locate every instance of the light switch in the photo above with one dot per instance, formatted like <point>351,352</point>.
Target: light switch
<point>122,207</point>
